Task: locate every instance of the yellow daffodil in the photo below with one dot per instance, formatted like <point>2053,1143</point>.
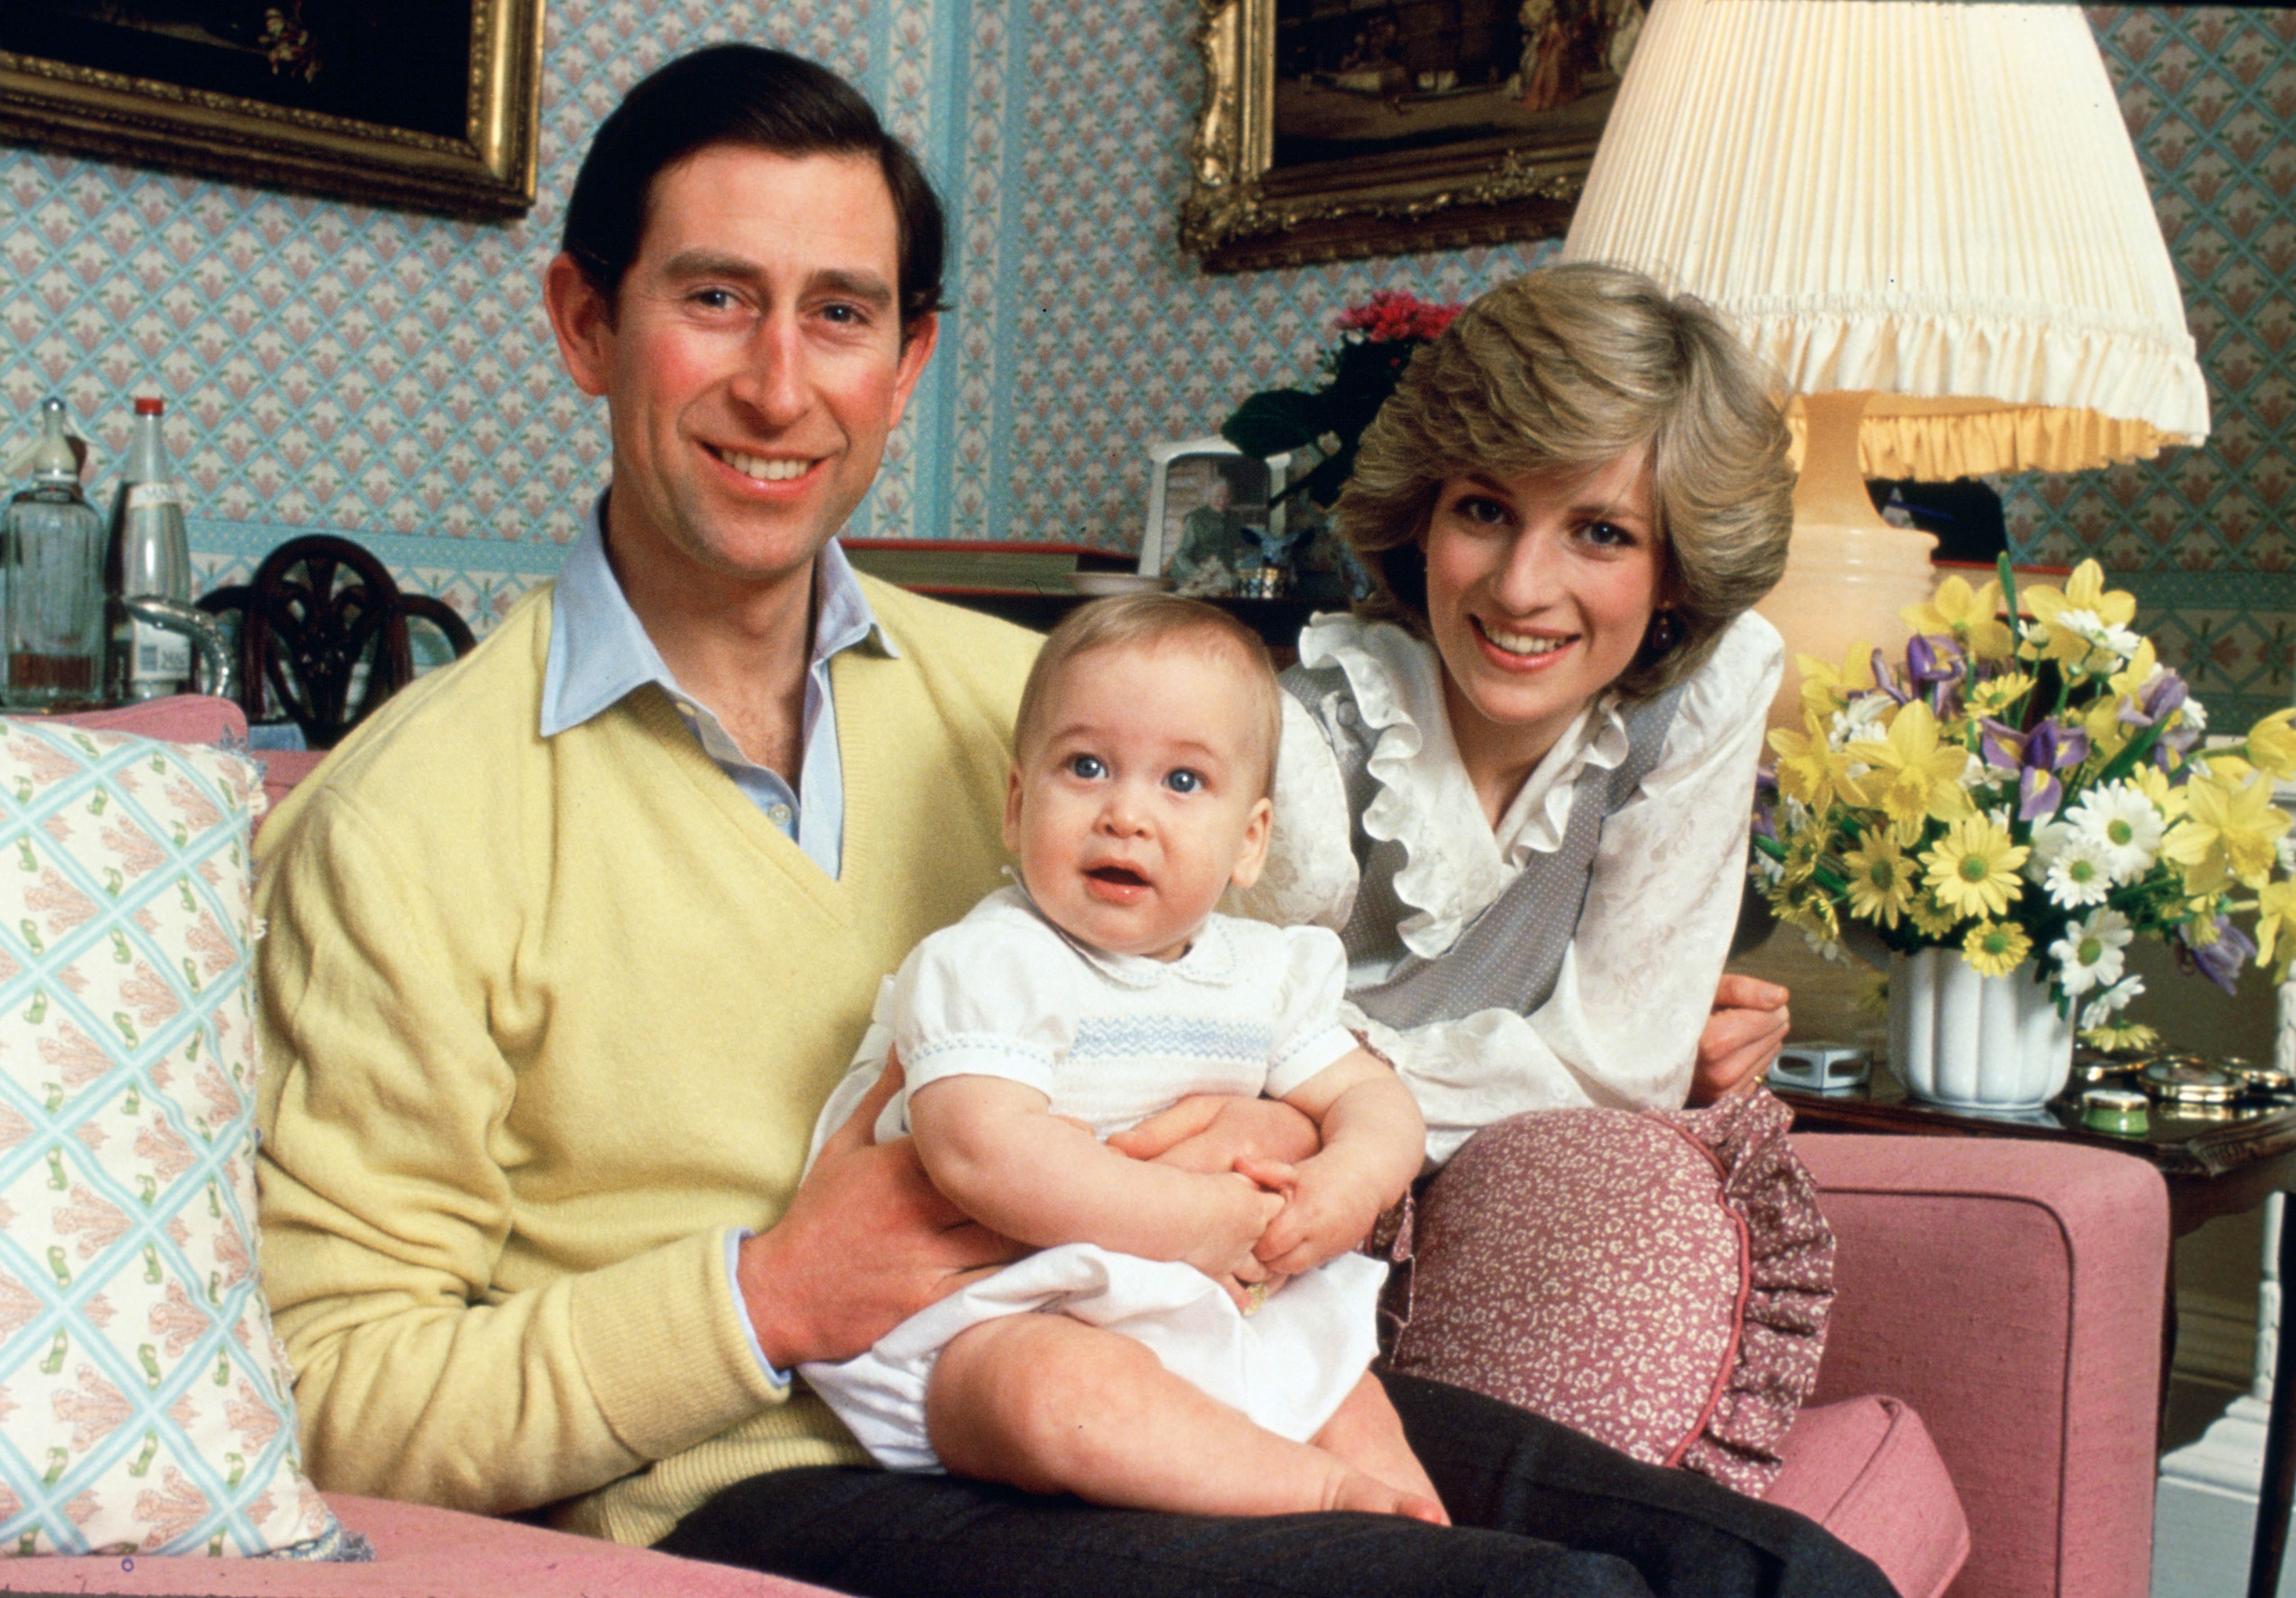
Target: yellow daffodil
<point>1826,688</point>
<point>2272,743</point>
<point>2108,734</point>
<point>2276,912</point>
<point>1882,882</point>
<point>2128,683</point>
<point>1808,770</point>
<point>2084,591</point>
<point>2084,594</point>
<point>1972,618</point>
<point>1973,869</point>
<point>2154,784</point>
<point>1930,918</point>
<point>2229,828</point>
<point>1996,947</point>
<point>1997,694</point>
<point>1915,778</point>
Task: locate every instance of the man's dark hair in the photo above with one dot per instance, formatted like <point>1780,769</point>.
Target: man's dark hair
<point>741,94</point>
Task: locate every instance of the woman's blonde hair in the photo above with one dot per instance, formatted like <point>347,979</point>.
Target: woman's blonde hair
<point>1567,369</point>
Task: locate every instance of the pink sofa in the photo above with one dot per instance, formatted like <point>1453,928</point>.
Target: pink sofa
<point>1985,1419</point>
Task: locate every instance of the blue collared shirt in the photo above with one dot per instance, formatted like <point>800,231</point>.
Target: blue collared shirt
<point>600,654</point>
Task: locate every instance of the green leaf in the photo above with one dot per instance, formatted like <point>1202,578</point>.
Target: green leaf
<point>1278,419</point>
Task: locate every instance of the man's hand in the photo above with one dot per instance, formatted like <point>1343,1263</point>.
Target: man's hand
<point>1210,1133</point>
<point>866,1242</point>
<point>1741,1037</point>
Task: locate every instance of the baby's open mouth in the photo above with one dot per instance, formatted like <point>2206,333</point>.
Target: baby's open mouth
<point>1120,876</point>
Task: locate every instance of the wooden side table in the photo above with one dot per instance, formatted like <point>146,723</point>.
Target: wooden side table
<point>2212,1167</point>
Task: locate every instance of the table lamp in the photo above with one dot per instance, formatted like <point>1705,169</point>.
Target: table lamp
<point>1929,220</point>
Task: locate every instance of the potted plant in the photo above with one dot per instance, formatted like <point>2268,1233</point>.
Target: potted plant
<point>2005,813</point>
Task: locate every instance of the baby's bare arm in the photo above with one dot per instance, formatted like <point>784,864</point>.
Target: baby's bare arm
<point>1375,1142</point>
<point>994,1148</point>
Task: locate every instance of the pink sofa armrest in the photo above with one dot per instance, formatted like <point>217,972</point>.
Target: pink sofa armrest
<point>419,1552</point>
<point>2011,1291</point>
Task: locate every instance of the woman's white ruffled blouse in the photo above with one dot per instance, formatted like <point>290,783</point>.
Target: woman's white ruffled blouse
<point>1621,1026</point>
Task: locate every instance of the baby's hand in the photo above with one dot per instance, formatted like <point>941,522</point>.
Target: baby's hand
<point>1326,1214</point>
<point>1237,1214</point>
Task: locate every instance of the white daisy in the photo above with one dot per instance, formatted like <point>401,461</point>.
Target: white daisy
<point>2078,874</point>
<point>2088,955</point>
<point>2109,1000</point>
<point>2124,823</point>
<point>1861,719</point>
<point>2049,840</point>
<point>2195,714</point>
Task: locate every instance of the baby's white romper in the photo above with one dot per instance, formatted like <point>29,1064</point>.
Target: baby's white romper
<point>1111,1039</point>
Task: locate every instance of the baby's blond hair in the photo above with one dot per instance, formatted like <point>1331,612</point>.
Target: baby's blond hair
<point>1155,621</point>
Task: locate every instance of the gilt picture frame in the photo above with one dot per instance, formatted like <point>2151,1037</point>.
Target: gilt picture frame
<point>1331,129</point>
<point>421,104</point>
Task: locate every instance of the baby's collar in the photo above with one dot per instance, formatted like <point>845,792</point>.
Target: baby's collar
<point>1210,960</point>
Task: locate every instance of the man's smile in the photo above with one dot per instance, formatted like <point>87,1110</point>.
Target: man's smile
<point>764,469</point>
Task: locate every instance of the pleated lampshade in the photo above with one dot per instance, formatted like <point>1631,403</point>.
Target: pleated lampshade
<point>1934,207</point>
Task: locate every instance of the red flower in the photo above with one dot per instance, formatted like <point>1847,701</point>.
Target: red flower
<point>1392,316</point>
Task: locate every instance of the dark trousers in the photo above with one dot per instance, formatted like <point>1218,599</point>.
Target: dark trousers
<point>1539,1510</point>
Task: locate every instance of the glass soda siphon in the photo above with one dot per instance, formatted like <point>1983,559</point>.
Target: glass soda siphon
<point>54,567</point>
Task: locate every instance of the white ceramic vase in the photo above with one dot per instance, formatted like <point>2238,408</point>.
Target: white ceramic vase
<point>1973,1042</point>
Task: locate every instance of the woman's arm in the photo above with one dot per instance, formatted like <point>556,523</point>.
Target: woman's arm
<point>994,1148</point>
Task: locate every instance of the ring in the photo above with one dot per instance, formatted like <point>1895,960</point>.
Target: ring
<point>1254,1295</point>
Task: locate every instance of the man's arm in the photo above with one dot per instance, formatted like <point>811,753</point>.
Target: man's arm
<point>436,1361</point>
<point>866,1242</point>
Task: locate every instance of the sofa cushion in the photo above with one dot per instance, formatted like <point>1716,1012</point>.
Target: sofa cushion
<point>1657,1280</point>
<point>148,1406</point>
<point>1866,1470</point>
<point>432,1553</point>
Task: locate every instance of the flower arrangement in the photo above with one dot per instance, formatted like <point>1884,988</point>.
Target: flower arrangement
<point>1377,339</point>
<point>2031,787</point>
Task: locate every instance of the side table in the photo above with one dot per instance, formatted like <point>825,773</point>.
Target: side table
<point>2212,1167</point>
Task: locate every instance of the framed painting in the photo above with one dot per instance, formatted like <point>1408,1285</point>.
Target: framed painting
<point>1215,516</point>
<point>1337,129</point>
<point>429,104</point>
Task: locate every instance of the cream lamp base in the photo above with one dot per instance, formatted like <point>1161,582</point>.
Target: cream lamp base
<point>1848,573</point>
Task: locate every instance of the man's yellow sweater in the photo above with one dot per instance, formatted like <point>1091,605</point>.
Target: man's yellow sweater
<point>544,1019</point>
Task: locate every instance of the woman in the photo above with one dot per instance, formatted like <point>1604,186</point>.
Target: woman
<point>1517,781</point>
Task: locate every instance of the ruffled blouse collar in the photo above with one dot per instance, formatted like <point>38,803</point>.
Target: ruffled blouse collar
<point>1455,864</point>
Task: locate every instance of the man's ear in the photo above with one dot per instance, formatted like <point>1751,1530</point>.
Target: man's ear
<point>1254,857</point>
<point>1012,808</point>
<point>917,342</point>
<point>583,319</point>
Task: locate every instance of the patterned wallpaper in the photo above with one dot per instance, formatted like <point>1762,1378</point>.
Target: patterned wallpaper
<point>390,375</point>
<point>2204,538</point>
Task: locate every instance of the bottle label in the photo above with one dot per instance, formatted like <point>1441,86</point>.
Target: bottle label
<point>152,496</point>
<point>159,653</point>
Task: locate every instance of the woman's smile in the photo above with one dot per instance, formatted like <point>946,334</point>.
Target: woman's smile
<point>1540,589</point>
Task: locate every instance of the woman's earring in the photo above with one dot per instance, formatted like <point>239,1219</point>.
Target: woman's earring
<point>1665,632</point>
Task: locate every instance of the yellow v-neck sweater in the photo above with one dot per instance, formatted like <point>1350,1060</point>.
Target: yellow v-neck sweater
<point>543,1019</point>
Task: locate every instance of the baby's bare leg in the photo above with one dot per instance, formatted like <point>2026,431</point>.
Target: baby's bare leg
<point>1366,1433</point>
<point>1053,1406</point>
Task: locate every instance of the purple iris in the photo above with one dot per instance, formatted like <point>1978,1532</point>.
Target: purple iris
<point>1931,660</point>
<point>2002,745</point>
<point>2221,962</point>
<point>2049,749</point>
<point>1886,680</point>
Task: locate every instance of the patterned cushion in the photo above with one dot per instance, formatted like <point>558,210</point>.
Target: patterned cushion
<point>146,1405</point>
<point>1657,1280</point>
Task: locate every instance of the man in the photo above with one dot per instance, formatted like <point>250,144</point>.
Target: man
<point>568,945</point>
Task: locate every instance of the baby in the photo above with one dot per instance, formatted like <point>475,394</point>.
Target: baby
<point>1165,1375</point>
